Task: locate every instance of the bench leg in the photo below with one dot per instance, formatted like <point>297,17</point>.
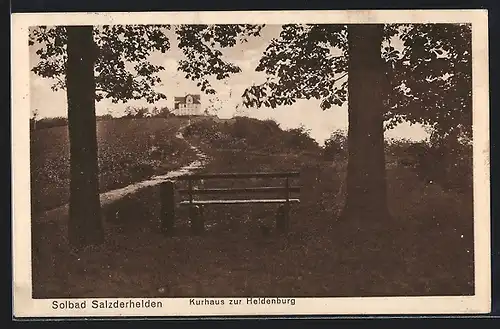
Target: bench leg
<point>282,218</point>
<point>197,220</point>
<point>167,208</point>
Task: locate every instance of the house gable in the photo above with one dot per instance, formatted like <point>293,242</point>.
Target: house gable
<point>183,100</point>
<point>196,99</point>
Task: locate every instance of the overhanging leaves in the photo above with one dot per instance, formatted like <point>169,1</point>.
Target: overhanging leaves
<point>428,72</point>
<point>203,44</point>
<point>432,79</point>
<point>122,69</point>
<point>304,62</point>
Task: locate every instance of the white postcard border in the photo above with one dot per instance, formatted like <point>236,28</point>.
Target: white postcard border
<point>25,306</point>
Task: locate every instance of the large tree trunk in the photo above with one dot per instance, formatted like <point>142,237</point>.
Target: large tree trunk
<point>366,199</point>
<point>85,226</point>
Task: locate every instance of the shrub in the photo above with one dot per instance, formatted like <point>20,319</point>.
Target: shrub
<point>397,147</point>
<point>51,122</point>
<point>164,112</point>
<point>137,112</point>
<point>104,117</point>
<point>299,139</point>
<point>448,164</point>
<point>251,134</point>
<point>335,145</point>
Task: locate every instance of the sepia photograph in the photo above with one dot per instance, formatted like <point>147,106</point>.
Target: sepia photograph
<point>250,163</point>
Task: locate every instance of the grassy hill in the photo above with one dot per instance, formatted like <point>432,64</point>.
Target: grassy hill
<point>129,150</point>
<point>426,250</point>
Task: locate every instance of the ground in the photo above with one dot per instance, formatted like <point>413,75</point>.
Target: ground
<point>427,249</point>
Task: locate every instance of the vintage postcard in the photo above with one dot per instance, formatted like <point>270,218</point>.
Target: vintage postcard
<point>250,163</point>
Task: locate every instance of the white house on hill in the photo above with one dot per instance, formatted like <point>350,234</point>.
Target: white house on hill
<point>187,105</point>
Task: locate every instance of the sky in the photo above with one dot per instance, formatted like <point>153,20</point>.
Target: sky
<point>304,112</point>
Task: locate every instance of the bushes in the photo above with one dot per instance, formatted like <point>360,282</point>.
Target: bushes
<point>48,123</point>
<point>251,134</point>
<point>44,123</point>
<point>202,128</point>
<point>164,112</point>
<point>448,164</point>
<point>335,145</point>
<point>299,139</point>
<point>397,147</point>
<point>146,112</point>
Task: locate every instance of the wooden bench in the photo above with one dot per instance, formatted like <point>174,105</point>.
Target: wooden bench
<point>281,195</point>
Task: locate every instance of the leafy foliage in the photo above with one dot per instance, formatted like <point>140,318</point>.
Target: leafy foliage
<point>429,77</point>
<point>449,165</point>
<point>163,112</point>
<point>243,133</point>
<point>300,139</point>
<point>202,45</point>
<point>123,70</point>
<point>336,144</point>
<point>301,64</point>
<point>50,122</point>
<point>126,46</point>
<point>137,112</point>
<point>432,78</point>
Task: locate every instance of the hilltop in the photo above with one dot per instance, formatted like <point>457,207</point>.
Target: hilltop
<point>130,150</point>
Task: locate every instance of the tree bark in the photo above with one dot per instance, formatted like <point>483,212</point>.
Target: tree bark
<point>85,225</point>
<point>366,199</point>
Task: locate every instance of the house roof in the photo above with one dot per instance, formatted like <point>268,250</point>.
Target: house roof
<point>196,99</point>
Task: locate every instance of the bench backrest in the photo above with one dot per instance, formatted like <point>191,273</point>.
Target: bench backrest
<point>285,191</point>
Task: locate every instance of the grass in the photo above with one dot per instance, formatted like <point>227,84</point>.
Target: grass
<point>129,151</point>
<point>429,252</point>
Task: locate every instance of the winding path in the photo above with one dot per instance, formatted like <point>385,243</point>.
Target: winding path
<point>111,196</point>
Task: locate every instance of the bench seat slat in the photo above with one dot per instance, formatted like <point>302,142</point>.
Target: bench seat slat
<point>265,189</point>
<point>241,175</point>
<point>207,202</point>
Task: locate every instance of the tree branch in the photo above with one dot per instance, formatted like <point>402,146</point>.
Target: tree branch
<point>102,90</point>
<point>63,83</point>
<point>343,76</point>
